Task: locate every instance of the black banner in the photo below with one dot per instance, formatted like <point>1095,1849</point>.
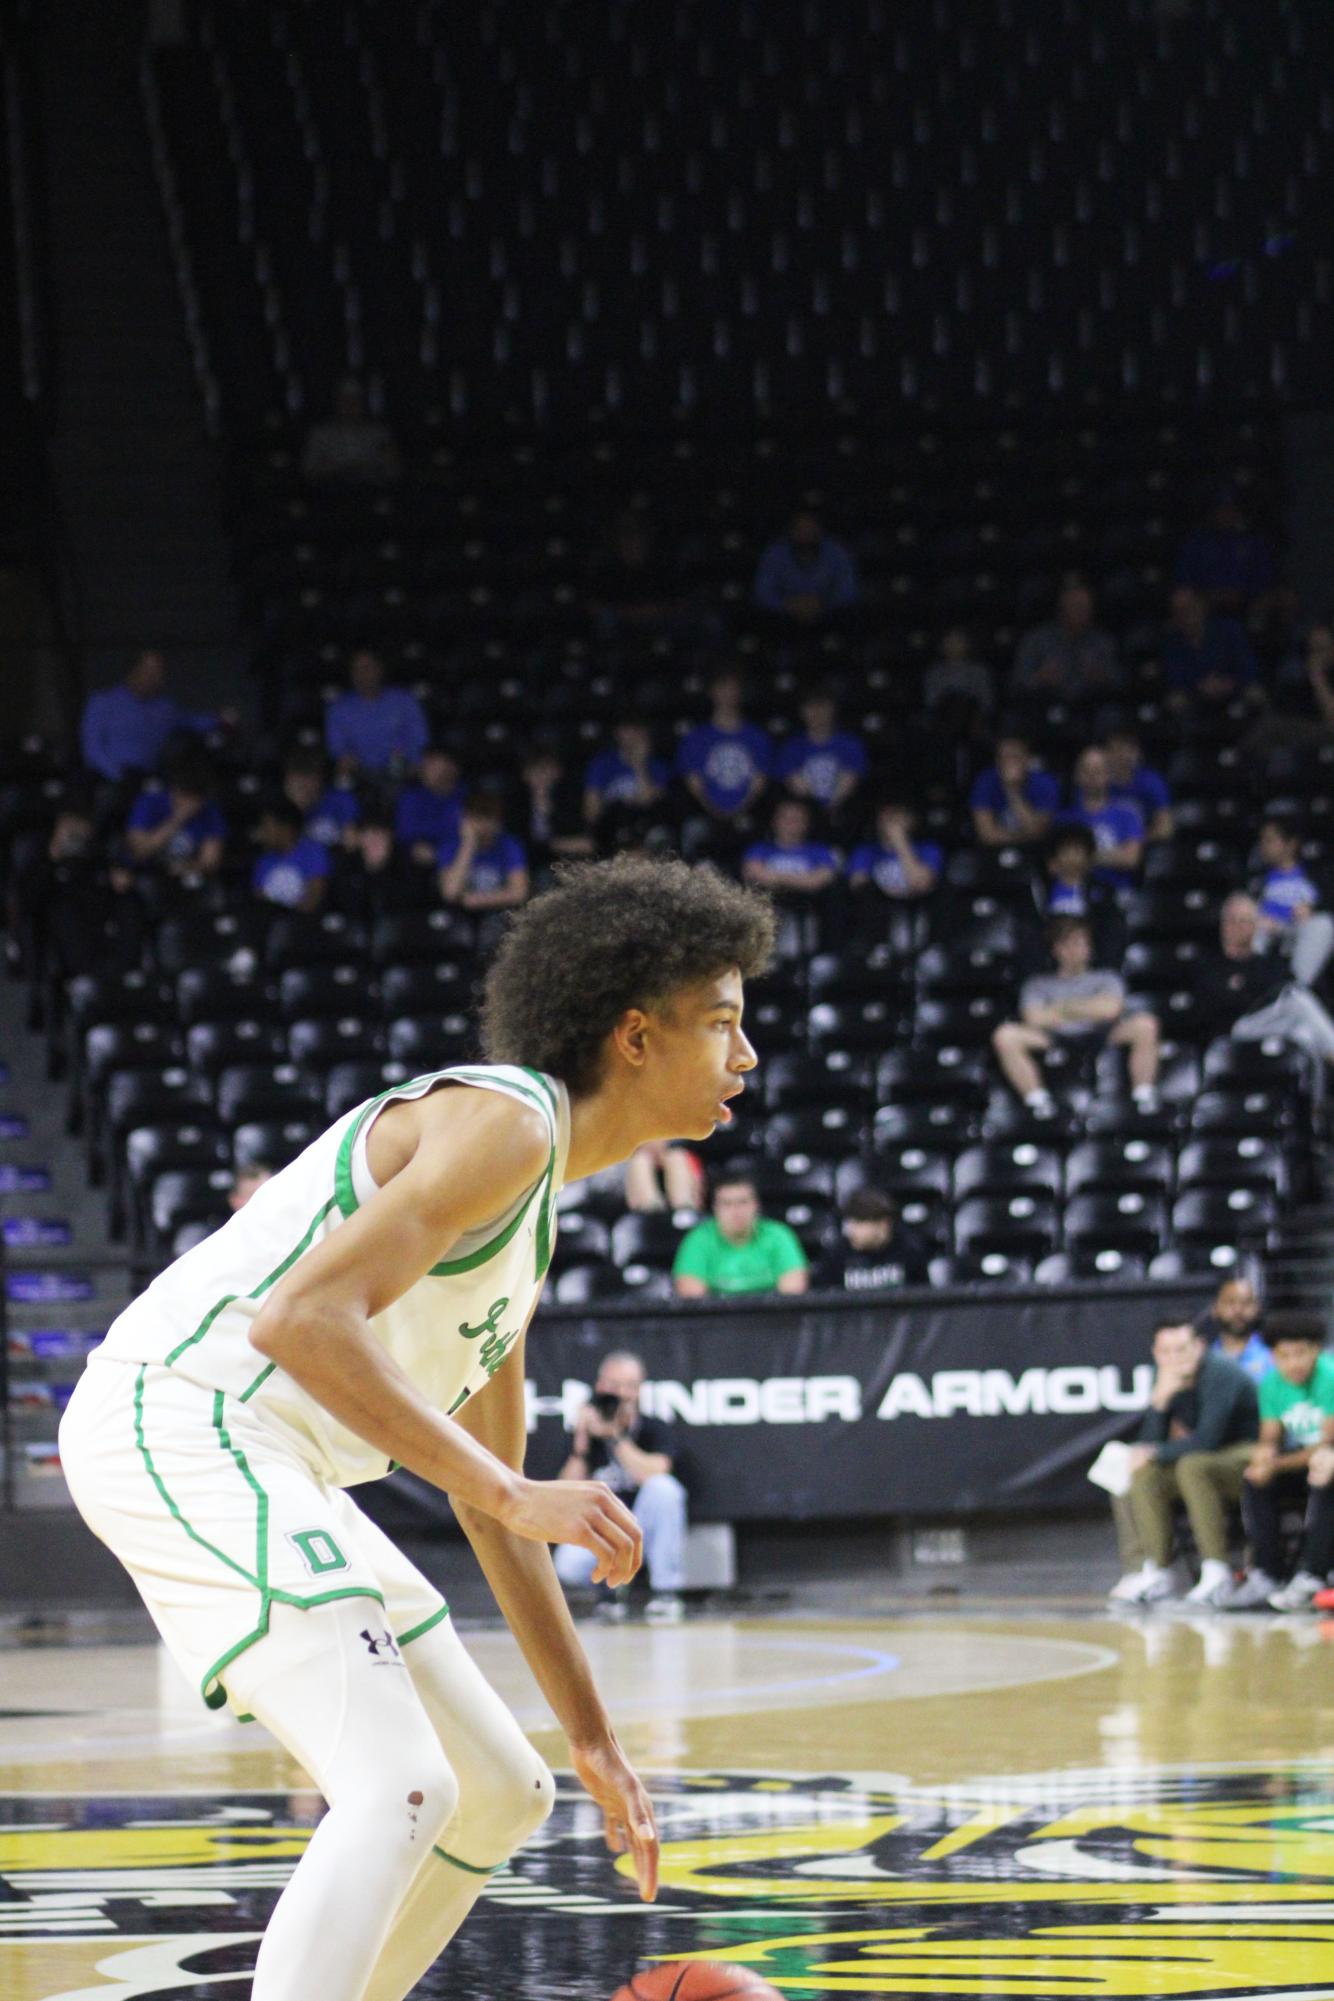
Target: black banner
<point>916,1404</point>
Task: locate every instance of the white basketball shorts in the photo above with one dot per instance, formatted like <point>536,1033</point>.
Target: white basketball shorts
<point>217,1518</point>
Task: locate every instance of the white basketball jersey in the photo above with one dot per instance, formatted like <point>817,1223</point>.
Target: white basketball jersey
<point>449,1332</point>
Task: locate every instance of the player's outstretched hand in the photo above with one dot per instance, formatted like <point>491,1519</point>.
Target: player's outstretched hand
<point>585,1512</point>
<point>607,1777</point>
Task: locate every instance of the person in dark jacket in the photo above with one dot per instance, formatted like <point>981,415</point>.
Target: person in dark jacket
<point>873,1250</point>
<point>1249,994</point>
<point>1194,1446</point>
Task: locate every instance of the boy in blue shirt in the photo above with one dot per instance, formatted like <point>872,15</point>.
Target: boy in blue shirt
<point>1131,782</point>
<point>1116,826</point>
<point>1288,900</point>
<point>726,761</point>
<point>1013,801</point>
<point>790,860</point>
<point>292,870</point>
<point>823,763</point>
<point>483,867</point>
<point>894,863</point>
<point>329,813</point>
<point>625,780</point>
<point>180,828</point>
<point>428,813</point>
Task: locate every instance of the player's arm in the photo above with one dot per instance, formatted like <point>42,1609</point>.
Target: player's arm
<point>472,1154</point>
<point>523,1579</point>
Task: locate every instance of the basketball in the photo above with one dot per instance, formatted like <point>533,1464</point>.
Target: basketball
<point>696,1980</point>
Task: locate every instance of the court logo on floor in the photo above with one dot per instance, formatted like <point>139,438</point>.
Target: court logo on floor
<point>1147,1884</point>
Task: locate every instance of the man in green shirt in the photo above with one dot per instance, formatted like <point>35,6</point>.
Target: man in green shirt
<point>1291,1467</point>
<point>737,1249</point>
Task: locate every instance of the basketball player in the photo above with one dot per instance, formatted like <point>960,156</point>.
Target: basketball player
<point>368,1307</point>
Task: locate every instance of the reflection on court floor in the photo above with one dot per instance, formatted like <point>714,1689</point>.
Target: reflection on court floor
<point>1115,1858</point>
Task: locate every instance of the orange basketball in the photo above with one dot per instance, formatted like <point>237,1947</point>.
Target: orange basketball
<point>696,1980</point>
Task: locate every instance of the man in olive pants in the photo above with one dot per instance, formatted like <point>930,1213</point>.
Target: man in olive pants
<point>1193,1448</point>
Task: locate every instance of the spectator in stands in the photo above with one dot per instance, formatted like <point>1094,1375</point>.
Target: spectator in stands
<point>126,729</point>
<point>822,763</point>
<point>429,810</point>
<point>549,810</point>
<point>895,864</point>
<point>249,1176</point>
<point>624,785</point>
<point>1081,1004</point>
<point>1291,1466</point>
<point>1232,1325</point>
<point>1224,560</point>
<point>958,689</point>
<point>1206,657</point>
<point>1289,917</point>
<point>1305,689</point>
<point>350,448</point>
<point>1069,887</point>
<point>373,728</point>
<point>59,866</point>
<point>1014,800</point>
<point>664,1175</point>
<point>1069,658</point>
<point>628,588</point>
<point>737,1249</point>
<point>1131,782</point>
<point>873,1249</point>
<point>1116,825</point>
<point>635,1454</point>
<point>806,575</point>
<point>179,827</point>
<point>789,862</point>
<point>483,867</point>
<point>375,874</point>
<point>1194,1446</point>
<point>725,762</point>
<point>291,869</point>
<point>1249,994</point>
<point>329,813</point>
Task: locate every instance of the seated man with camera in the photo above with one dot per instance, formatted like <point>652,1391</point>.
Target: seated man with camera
<point>614,1441</point>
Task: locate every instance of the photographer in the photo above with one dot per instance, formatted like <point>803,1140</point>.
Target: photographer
<point>634,1454</point>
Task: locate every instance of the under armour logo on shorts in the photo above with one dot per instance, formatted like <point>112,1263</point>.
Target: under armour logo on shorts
<point>382,1647</point>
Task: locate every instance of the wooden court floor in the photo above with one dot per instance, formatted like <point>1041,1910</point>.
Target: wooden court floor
<point>1035,1801</point>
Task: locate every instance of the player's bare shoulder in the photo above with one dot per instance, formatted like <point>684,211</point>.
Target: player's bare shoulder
<point>458,1139</point>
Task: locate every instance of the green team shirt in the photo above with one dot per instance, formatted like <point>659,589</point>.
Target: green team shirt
<point>755,1266</point>
<point>1300,1408</point>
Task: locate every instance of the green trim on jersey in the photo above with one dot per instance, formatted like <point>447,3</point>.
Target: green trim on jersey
<point>257,1292</point>
<point>425,1625</point>
<point>213,1693</point>
<point>166,1498</point>
<point>543,1101</point>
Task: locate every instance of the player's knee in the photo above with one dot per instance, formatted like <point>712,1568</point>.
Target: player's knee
<point>1004,1038</point>
<point>520,1793</point>
<point>415,1783</point>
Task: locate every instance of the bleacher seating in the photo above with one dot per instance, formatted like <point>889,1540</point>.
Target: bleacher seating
<point>790,269</point>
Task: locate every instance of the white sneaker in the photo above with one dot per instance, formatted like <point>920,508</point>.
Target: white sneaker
<point>1126,1589</point>
<point>1146,1098</point>
<point>1250,1593</point>
<point>1214,1586</point>
<point>665,1608</point>
<point>1151,1586</point>
<point>1299,1595</point>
